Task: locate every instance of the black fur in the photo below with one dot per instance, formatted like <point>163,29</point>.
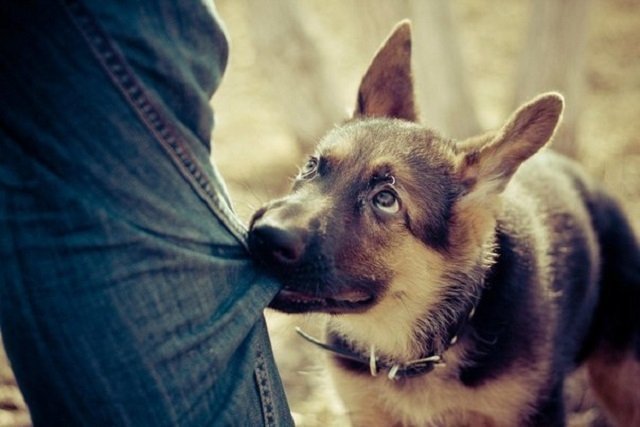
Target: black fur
<point>584,294</point>
<point>502,329</point>
<point>542,256</point>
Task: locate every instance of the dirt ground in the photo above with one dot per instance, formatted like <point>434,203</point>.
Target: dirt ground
<point>257,150</point>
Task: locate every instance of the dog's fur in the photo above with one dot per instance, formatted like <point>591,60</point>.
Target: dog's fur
<point>399,233</point>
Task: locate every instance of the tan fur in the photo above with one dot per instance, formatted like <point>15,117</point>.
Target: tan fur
<point>487,164</point>
<point>615,378</point>
<point>412,313</point>
<point>436,400</point>
<point>390,74</point>
<point>489,167</point>
<point>475,222</point>
<point>338,150</point>
<point>389,325</point>
<point>302,208</point>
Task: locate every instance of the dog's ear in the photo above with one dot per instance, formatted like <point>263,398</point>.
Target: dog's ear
<point>386,90</point>
<point>488,163</point>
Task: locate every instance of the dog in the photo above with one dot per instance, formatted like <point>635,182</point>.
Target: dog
<point>462,280</point>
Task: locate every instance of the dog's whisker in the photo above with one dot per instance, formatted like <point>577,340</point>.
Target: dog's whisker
<point>397,235</point>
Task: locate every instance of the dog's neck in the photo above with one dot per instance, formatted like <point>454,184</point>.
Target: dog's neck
<point>442,327</point>
<point>375,363</point>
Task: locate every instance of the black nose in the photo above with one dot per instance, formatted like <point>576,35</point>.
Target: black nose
<point>274,244</point>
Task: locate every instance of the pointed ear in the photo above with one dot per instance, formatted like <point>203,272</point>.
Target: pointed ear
<point>488,163</point>
<point>386,89</point>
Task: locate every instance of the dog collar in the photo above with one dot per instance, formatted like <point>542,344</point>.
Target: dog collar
<point>375,364</point>
<point>371,362</point>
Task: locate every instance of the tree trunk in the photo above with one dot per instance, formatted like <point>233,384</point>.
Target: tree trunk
<point>553,59</point>
<point>288,52</point>
<point>444,96</point>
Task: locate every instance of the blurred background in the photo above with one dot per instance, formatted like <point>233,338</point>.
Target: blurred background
<point>294,71</point>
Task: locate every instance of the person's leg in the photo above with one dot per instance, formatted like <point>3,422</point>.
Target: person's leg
<point>126,296</point>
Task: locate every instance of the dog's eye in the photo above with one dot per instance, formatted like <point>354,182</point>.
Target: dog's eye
<point>309,169</point>
<point>386,201</point>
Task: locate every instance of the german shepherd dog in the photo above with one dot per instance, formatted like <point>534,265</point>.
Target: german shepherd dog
<point>463,280</point>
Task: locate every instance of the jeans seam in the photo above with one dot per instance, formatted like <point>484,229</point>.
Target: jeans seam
<point>115,65</point>
<point>263,382</point>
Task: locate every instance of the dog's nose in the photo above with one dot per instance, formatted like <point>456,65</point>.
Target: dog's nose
<point>275,244</point>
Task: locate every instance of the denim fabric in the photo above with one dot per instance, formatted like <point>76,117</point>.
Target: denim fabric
<point>126,294</point>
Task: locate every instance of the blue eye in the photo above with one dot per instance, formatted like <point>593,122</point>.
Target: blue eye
<point>386,201</point>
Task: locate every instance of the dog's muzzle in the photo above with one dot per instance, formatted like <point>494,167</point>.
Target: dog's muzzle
<point>274,245</point>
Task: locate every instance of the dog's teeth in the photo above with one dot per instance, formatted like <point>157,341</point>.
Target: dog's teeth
<point>353,296</point>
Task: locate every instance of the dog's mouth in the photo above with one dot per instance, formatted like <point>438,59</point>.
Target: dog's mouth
<point>293,301</point>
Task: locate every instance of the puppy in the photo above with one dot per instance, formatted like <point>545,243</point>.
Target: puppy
<point>463,280</point>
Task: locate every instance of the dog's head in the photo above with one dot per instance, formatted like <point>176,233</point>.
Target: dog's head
<point>386,211</point>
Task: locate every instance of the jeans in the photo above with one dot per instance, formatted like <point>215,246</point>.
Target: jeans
<point>126,293</point>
